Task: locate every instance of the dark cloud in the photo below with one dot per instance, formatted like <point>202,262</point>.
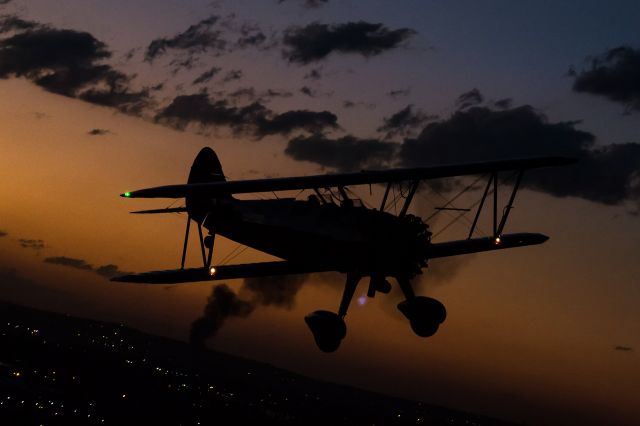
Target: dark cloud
<point>399,93</point>
<point>404,122</point>
<point>206,76</point>
<point>248,93</point>
<point>306,90</point>
<point>183,63</point>
<point>352,104</point>
<point>287,122</point>
<point>310,4</point>
<point>130,54</point>
<point>316,41</point>
<point>272,93</point>
<point>312,93</point>
<point>606,174</point>
<point>213,36</point>
<point>109,271</point>
<point>347,153</point>
<point>2,2</point>
<point>199,108</point>
<point>98,132</point>
<point>471,98</point>
<point>15,23</point>
<point>253,37</point>
<point>314,74</point>
<point>198,38</point>
<point>120,98</point>
<point>623,348</point>
<point>614,75</point>
<point>31,244</point>
<point>68,63</point>
<point>253,119</point>
<point>3,233</point>
<point>70,262</point>
<point>248,33</point>
<point>503,103</point>
<point>232,75</point>
<point>221,305</point>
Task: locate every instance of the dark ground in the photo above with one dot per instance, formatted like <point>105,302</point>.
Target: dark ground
<point>60,370</point>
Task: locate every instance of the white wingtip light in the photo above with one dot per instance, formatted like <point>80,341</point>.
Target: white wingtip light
<point>497,241</point>
<point>212,271</point>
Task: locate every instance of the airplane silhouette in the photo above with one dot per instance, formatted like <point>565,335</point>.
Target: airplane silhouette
<point>330,231</point>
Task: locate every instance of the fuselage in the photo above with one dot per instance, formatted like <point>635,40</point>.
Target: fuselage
<point>344,236</point>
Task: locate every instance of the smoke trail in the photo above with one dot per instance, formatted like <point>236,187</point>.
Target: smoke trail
<point>221,304</point>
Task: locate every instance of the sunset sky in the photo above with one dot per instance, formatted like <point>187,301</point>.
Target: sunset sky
<point>99,97</point>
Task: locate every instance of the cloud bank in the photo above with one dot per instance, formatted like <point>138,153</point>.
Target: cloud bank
<point>614,75</point>
<point>316,41</point>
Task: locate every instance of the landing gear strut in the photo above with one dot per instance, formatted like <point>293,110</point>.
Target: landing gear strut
<point>425,314</point>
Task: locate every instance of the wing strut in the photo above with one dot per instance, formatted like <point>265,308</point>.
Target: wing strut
<point>186,239</point>
<point>407,202</point>
<point>509,206</point>
<point>498,227</point>
<point>386,195</point>
<point>204,242</point>
<point>204,257</point>
<point>475,219</point>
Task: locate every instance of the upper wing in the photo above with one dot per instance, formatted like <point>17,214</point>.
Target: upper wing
<point>215,189</point>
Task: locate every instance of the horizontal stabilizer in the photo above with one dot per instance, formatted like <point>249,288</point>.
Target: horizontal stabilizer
<point>157,211</point>
<point>223,272</point>
<point>223,188</point>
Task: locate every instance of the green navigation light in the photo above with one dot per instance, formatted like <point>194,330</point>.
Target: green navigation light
<point>127,194</point>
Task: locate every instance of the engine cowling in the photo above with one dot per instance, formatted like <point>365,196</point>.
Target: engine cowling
<point>328,329</point>
<point>425,314</point>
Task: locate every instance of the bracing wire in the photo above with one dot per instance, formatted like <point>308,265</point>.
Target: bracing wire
<point>238,253</point>
<point>455,219</point>
<point>229,255</point>
<point>455,197</point>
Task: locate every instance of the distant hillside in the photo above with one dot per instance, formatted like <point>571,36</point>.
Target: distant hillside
<point>60,370</point>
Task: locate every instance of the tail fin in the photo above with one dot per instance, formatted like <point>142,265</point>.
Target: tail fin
<point>206,168</point>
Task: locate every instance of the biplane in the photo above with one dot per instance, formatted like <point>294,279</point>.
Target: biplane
<point>331,231</point>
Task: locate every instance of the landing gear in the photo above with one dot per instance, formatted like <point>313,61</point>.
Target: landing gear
<point>425,314</point>
<point>378,284</point>
<point>329,328</point>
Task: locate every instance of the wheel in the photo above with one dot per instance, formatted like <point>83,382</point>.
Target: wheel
<point>328,329</point>
<point>424,314</point>
<point>424,328</point>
